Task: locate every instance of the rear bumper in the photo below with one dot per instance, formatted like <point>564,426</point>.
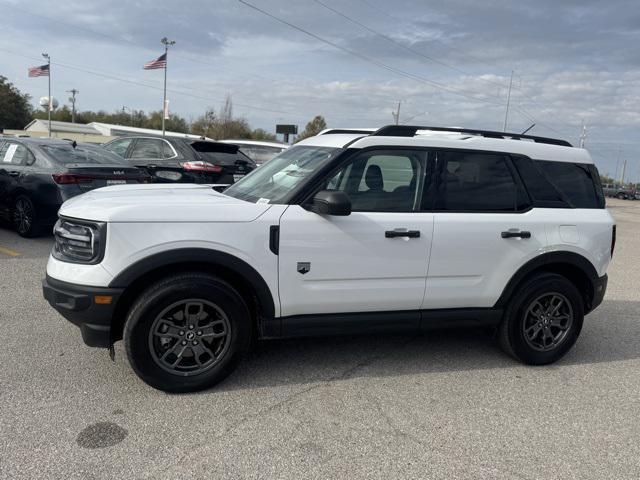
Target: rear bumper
<point>599,289</point>
<point>77,303</point>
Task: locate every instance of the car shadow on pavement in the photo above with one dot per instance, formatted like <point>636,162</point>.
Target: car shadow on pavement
<point>610,334</point>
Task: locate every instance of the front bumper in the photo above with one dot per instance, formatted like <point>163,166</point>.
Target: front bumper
<point>79,305</point>
<point>599,289</point>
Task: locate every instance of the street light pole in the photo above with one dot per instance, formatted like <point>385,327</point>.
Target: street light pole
<point>167,43</point>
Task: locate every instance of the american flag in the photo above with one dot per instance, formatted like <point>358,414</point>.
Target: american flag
<point>41,71</point>
<point>160,62</point>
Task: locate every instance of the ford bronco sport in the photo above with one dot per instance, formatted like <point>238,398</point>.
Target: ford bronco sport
<point>403,229</point>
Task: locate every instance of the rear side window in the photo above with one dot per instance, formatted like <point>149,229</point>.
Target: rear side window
<point>578,183</point>
<point>147,148</point>
<point>119,147</point>
<point>476,182</point>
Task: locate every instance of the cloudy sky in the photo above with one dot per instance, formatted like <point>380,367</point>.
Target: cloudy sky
<point>448,63</point>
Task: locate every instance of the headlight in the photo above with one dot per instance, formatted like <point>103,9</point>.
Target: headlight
<point>78,241</point>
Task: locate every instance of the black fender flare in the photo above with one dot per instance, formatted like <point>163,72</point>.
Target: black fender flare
<point>204,257</point>
<point>571,259</point>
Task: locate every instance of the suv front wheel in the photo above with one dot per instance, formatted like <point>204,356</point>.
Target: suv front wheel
<point>543,320</point>
<point>187,332</point>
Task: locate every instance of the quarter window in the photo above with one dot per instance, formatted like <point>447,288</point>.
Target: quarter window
<point>476,182</point>
<point>578,182</point>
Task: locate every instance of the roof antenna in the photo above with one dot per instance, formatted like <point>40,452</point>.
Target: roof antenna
<point>74,144</point>
<point>532,125</point>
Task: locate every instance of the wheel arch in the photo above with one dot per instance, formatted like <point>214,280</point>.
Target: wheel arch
<point>575,267</point>
<point>242,276</point>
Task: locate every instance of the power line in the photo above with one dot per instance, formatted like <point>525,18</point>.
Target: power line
<point>435,40</point>
<point>366,58</point>
<point>401,45</point>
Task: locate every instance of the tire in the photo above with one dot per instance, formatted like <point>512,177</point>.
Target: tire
<point>621,196</point>
<point>157,332</point>
<point>25,218</point>
<point>536,337</point>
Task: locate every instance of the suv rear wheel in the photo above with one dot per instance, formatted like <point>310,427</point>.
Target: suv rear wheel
<point>187,332</point>
<point>543,320</point>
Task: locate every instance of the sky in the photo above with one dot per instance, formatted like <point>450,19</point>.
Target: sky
<point>447,63</point>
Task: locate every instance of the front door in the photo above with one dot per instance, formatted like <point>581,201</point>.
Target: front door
<point>374,259</point>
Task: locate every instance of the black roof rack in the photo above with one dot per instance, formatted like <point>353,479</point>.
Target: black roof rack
<point>410,131</point>
<point>347,130</point>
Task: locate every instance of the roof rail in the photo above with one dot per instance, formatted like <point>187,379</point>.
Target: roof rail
<point>411,130</point>
<point>347,130</point>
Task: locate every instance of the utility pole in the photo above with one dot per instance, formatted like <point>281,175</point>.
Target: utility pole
<point>583,134</point>
<point>46,55</point>
<point>165,110</point>
<point>396,114</point>
<point>72,99</point>
<point>624,171</point>
<point>506,112</point>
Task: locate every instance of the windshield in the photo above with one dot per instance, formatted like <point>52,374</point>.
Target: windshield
<point>272,182</point>
<point>81,154</point>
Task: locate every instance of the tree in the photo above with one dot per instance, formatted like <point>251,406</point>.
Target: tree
<point>221,125</point>
<point>312,128</point>
<point>15,109</point>
<point>261,134</point>
<point>174,123</point>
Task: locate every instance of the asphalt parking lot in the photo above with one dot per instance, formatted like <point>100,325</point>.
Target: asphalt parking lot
<point>441,405</point>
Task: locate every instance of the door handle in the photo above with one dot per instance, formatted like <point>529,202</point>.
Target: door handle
<point>514,234</point>
<point>13,173</point>
<point>402,233</point>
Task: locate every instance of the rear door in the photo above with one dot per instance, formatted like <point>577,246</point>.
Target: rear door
<point>158,157</point>
<point>13,157</point>
<point>484,229</point>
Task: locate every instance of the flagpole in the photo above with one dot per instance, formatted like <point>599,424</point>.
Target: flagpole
<point>166,42</point>
<point>46,55</point>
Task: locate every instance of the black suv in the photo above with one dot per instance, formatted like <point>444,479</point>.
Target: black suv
<point>38,174</point>
<point>183,160</point>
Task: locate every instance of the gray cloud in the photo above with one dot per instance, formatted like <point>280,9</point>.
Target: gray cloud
<point>573,60</point>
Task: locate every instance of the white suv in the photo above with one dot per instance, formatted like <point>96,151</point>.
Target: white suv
<point>404,229</point>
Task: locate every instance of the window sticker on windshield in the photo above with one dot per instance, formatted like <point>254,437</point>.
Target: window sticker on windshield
<point>263,200</point>
<point>11,151</point>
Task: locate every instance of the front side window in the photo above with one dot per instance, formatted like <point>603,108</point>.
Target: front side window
<point>276,181</point>
<point>382,181</point>
<point>476,182</point>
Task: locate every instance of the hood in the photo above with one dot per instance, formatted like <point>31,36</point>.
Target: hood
<point>161,203</point>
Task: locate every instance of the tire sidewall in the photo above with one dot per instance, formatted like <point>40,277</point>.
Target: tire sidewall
<point>516,318</point>
<point>151,304</point>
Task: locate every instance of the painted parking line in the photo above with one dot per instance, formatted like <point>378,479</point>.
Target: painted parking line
<point>8,251</point>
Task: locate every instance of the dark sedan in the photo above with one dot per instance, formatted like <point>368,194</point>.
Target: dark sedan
<point>184,160</point>
<point>37,175</point>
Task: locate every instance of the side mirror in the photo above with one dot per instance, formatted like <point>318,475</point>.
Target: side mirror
<point>331,202</point>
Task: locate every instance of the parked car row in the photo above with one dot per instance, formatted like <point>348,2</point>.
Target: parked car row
<point>623,192</point>
<point>38,174</point>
